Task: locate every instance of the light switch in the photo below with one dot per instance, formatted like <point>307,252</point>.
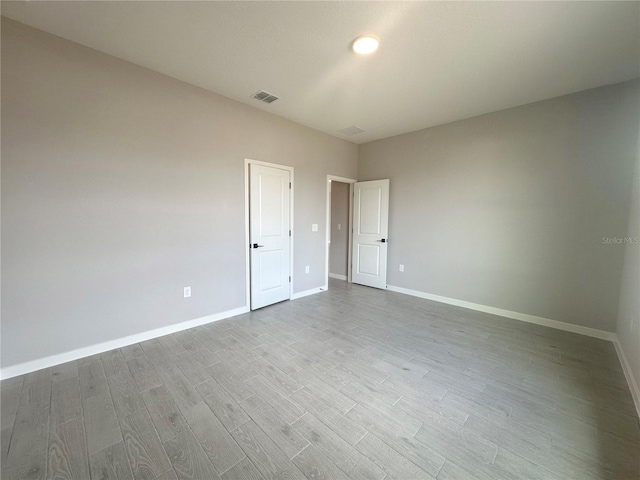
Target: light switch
<point>339,226</point>
<point>314,227</point>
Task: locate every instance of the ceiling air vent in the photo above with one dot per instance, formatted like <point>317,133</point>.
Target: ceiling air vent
<point>352,130</point>
<point>265,97</point>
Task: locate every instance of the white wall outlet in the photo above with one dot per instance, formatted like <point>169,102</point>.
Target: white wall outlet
<point>306,269</point>
<point>187,292</point>
<point>339,226</point>
<point>401,268</point>
<point>314,227</point>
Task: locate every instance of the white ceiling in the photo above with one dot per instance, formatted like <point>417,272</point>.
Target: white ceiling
<point>438,61</point>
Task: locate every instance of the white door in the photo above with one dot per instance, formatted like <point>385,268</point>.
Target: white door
<point>269,236</point>
<point>370,233</point>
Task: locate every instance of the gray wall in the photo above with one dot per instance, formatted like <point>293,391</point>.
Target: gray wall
<point>629,307</point>
<point>509,209</point>
<point>338,257</point>
<point>120,186</point>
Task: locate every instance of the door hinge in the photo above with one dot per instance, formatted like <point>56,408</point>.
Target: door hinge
<point>289,185</point>
<point>289,232</point>
<point>289,278</point>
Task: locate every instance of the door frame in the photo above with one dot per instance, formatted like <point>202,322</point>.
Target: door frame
<point>247,162</point>
<point>350,181</point>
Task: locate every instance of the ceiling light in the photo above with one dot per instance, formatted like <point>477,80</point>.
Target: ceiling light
<point>365,44</point>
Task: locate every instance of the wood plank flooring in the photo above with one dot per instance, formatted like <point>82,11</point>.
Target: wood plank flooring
<point>353,383</point>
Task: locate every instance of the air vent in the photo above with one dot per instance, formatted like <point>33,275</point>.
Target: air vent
<point>352,130</point>
<point>265,97</point>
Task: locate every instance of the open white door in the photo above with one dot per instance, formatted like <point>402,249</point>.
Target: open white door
<point>370,233</point>
<point>269,236</point>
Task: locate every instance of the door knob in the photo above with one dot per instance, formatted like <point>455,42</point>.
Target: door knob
<point>255,245</point>
<point>383,240</point>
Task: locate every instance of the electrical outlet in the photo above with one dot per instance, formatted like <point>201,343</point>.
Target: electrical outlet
<point>314,227</point>
<point>401,268</point>
<point>306,269</point>
<point>187,292</point>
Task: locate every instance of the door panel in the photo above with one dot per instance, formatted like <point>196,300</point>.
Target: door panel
<point>369,222</point>
<point>269,234</point>
<point>369,263</point>
<point>370,235</point>
<point>270,204</point>
<point>270,263</point>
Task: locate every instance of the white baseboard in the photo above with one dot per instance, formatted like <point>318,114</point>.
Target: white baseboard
<point>628,373</point>
<point>338,276</point>
<point>50,361</point>
<point>568,327</point>
<point>33,365</point>
<point>306,293</point>
<point>57,359</point>
<point>523,317</point>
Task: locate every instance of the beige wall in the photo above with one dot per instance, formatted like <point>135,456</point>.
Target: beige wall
<point>120,186</point>
<point>509,209</point>
<point>338,257</point>
<point>629,306</point>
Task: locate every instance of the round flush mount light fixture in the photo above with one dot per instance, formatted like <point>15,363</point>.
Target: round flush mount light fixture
<point>365,44</point>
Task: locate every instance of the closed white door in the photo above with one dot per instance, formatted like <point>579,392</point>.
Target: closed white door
<point>370,233</point>
<point>269,235</point>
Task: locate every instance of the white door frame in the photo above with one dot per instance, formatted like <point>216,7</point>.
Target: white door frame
<point>350,181</point>
<point>247,162</point>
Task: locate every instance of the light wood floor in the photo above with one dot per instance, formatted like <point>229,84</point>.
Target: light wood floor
<point>351,383</point>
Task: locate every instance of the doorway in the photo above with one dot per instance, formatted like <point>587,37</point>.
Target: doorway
<point>367,231</point>
<point>269,232</point>
<point>339,217</point>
